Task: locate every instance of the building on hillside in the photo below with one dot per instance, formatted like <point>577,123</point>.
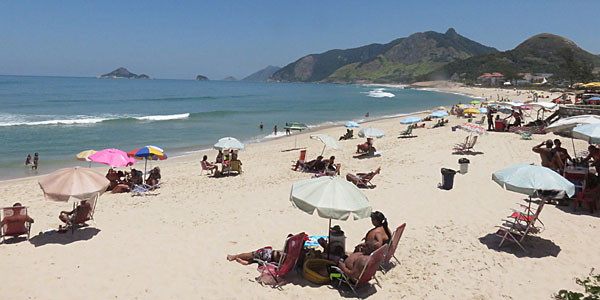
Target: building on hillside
<point>541,77</point>
<point>491,79</point>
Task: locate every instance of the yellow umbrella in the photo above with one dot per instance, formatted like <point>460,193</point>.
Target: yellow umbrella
<point>592,85</point>
<point>83,155</point>
<point>441,108</point>
<point>471,111</point>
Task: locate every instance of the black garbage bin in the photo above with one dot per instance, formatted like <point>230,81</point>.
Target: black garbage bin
<point>447,178</point>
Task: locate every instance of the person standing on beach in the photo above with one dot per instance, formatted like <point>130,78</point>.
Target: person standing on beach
<point>36,159</point>
<point>275,130</point>
<point>261,126</point>
<point>490,118</point>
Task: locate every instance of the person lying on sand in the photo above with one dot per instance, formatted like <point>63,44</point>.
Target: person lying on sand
<point>309,166</point>
<point>266,254</point>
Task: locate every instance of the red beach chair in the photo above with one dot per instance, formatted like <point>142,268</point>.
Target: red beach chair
<point>14,222</point>
<point>300,160</point>
<point>84,213</point>
<point>517,231</point>
<point>393,244</point>
<point>368,272</point>
<point>587,196</point>
<point>289,257</point>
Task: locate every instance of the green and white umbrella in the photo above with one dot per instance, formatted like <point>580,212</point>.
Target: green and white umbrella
<point>371,132</point>
<point>229,143</point>
<point>328,142</point>
<point>531,180</point>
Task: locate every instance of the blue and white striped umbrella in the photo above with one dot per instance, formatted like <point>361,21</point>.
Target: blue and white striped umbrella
<point>411,120</point>
<point>351,124</point>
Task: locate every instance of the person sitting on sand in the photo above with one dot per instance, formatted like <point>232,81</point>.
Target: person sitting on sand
<point>208,165</point>
<point>16,218</point>
<point>330,165</point>
<point>348,135</point>
<point>367,147</point>
<point>549,160</point>
<point>266,254</point>
<point>66,217</point>
<point>113,177</point>
<point>154,177</point>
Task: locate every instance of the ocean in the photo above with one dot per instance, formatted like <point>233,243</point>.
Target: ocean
<point>59,117</point>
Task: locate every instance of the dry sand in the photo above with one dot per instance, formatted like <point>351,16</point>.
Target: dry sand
<point>173,245</point>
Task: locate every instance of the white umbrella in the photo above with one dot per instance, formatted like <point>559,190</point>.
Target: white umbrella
<point>371,132</point>
<point>589,133</point>
<point>531,179</point>
<point>567,124</point>
<point>80,183</point>
<point>327,142</point>
<point>229,143</point>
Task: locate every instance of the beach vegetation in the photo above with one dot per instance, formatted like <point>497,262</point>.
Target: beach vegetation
<point>591,285</point>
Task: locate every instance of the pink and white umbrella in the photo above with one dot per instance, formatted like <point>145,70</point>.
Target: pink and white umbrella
<point>112,157</point>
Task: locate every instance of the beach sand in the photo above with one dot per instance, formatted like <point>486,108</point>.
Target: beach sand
<point>174,245</point>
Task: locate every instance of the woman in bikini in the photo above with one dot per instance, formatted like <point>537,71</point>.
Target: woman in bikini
<point>378,235</point>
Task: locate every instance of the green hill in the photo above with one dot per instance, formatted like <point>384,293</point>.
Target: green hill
<point>543,53</point>
<point>400,60</point>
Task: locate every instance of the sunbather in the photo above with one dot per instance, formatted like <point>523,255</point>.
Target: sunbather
<point>355,262</point>
<point>154,177</point>
<point>113,177</point>
<point>266,254</point>
<point>311,165</point>
<point>367,147</point>
<point>67,216</point>
<point>360,177</point>
<point>378,235</point>
<point>346,136</point>
<point>210,166</point>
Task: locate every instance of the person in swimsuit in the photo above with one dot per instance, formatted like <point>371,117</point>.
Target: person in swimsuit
<point>549,160</point>
<point>266,254</point>
<point>595,154</point>
<point>378,235</point>
<point>28,160</point>
<point>36,159</point>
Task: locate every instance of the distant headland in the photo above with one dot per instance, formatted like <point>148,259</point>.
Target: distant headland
<point>201,78</point>
<point>124,73</point>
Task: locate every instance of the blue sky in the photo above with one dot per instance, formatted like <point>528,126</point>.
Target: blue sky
<point>181,39</point>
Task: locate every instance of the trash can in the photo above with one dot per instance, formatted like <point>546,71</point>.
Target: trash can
<point>453,128</point>
<point>464,165</point>
<point>447,178</point>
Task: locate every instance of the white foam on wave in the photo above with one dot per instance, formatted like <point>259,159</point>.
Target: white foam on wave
<point>380,93</point>
<point>164,117</point>
<point>55,122</point>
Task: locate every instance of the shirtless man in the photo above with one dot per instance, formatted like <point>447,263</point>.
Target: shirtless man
<point>66,216</point>
<point>549,160</point>
<point>595,154</point>
<point>354,264</point>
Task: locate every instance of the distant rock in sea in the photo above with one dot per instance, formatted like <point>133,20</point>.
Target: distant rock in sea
<point>201,78</point>
<point>229,78</point>
<point>124,73</point>
<point>262,75</point>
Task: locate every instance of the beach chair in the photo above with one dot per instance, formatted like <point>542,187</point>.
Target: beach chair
<point>368,272</point>
<point>83,215</point>
<point>480,122</point>
<point>206,168</point>
<point>462,146</point>
<point>144,189</point>
<point>14,222</point>
<point>291,252</point>
<point>407,132</point>
<point>527,135</point>
<point>363,179</point>
<point>438,124</point>
<point>517,231</point>
<point>235,166</point>
<point>588,196</point>
<point>392,245</point>
<point>301,160</point>
<point>472,143</point>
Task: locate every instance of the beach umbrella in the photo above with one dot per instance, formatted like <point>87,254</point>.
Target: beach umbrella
<point>567,124</point>
<point>505,109</point>
<point>371,132</point>
<point>411,120</point>
<point>297,127</point>
<point>472,128</point>
<point>475,102</point>
<point>441,108</point>
<point>351,124</point>
<point>328,142</point>
<point>80,183</point>
<point>229,143</point>
<point>438,114</point>
<point>112,157</point>
<point>531,180</point>
<point>146,153</point>
<point>589,133</point>
<point>84,156</point>
<point>483,110</point>
<point>594,99</point>
<point>331,197</point>
<point>471,111</point>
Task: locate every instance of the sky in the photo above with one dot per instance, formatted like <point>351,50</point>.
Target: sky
<point>182,39</point>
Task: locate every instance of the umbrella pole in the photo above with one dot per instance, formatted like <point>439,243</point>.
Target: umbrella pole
<point>573,142</point>
<point>145,163</point>
<point>322,154</point>
<point>328,238</point>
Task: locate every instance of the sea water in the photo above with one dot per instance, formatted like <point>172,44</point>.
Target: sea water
<point>59,117</point>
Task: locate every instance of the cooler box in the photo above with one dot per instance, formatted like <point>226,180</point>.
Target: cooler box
<point>499,125</point>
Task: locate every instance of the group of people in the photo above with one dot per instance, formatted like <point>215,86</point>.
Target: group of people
<point>553,155</point>
<point>318,165</point>
<point>123,181</point>
<point>84,209</point>
<point>224,158</point>
<point>518,120</point>
<point>34,163</point>
<point>351,264</point>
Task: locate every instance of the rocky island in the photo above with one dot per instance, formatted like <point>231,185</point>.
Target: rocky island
<point>201,78</point>
<point>124,73</point>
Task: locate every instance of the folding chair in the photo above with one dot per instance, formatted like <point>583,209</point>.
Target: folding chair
<point>517,231</point>
<point>392,245</point>
<point>291,252</point>
<point>368,272</point>
<point>14,222</point>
